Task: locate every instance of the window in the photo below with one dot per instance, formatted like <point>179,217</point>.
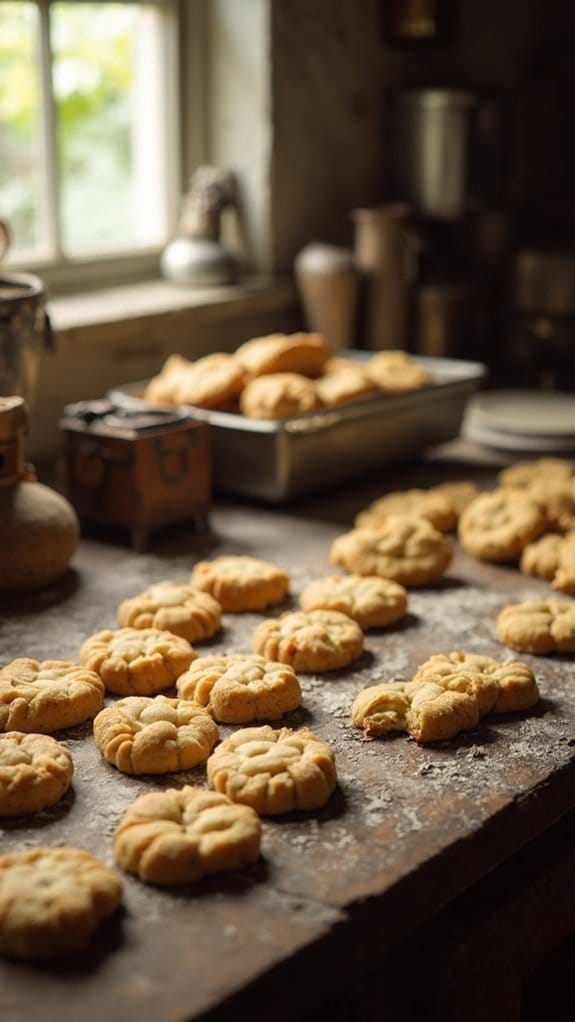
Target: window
<point>89,154</point>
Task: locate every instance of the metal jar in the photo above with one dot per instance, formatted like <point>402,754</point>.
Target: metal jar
<point>24,331</point>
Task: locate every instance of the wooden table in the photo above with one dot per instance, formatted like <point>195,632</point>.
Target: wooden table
<point>436,879</point>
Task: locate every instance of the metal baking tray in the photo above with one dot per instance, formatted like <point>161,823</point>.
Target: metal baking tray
<point>274,461</point>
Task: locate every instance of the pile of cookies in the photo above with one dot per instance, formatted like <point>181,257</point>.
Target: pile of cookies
<point>282,375</point>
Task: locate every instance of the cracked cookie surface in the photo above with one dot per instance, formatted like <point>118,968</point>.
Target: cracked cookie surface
<point>241,583</point>
<point>372,601</point>
<point>497,526</point>
<point>173,607</point>
<point>35,771</point>
<point>238,689</point>
<point>137,661</point>
<point>316,640</point>
<point>47,696</point>
<point>538,626</point>
<point>408,550</point>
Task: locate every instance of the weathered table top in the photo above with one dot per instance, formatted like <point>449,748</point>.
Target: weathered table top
<point>408,829</point>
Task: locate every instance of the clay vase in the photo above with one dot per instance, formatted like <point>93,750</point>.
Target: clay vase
<point>328,283</point>
<point>381,253</point>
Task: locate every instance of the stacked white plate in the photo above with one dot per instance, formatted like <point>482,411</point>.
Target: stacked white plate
<point>530,421</point>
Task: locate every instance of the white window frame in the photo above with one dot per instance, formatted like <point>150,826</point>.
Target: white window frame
<point>183,72</point>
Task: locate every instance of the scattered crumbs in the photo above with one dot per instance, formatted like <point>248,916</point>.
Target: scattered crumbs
<point>477,752</point>
<point>427,768</point>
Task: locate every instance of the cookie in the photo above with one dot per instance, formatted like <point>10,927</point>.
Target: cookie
<point>524,472</point>
<point>173,607</point>
<point>371,601</point>
<point>312,642</point>
<point>564,578</point>
<point>497,526</point>
<point>48,696</point>
<point>344,381</point>
<point>541,558</point>
<point>538,626</point>
<point>214,381</point>
<point>35,771</point>
<point>459,493</point>
<point>180,835</point>
<point>239,689</point>
<point>395,372</point>
<point>52,901</point>
<point>279,396</point>
<point>274,772</point>
<point>507,687</point>
<point>136,661</point>
<point>429,712</point>
<point>422,503</point>
<point>556,498</point>
<point>241,583</point>
<point>139,735</point>
<point>284,353</point>
<point>408,550</point>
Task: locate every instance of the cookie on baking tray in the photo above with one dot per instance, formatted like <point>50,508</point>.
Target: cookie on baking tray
<point>35,771</point>
<point>408,550</point>
<point>142,735</point>
<point>238,689</point>
<point>428,711</point>
<point>274,772</point>
<point>428,504</point>
<point>214,381</point>
<point>508,686</point>
<point>524,472</point>
<point>371,601</point>
<point>47,696</point>
<point>395,372</point>
<point>180,835</point>
<point>343,381</point>
<point>52,901</point>
<point>497,526</point>
<point>173,607</point>
<point>283,353</point>
<point>538,626</point>
<point>279,396</point>
<point>552,558</point>
<point>241,583</point>
<point>312,641</point>
<point>136,661</point>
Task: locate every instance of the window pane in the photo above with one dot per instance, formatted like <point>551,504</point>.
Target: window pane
<point>108,78</point>
<point>21,153</point>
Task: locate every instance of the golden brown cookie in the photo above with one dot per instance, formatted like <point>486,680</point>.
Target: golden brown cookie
<point>422,503</point>
<point>497,526</point>
<point>139,735</point>
<point>429,712</point>
<point>459,493</point>
<point>541,558</point>
<point>52,900</point>
<point>35,771</point>
<point>180,835</point>
<point>241,583</point>
<point>564,578</point>
<point>284,353</point>
<point>505,687</point>
<point>173,607</point>
<point>395,372</point>
<point>238,689</point>
<point>371,601</point>
<point>279,396</point>
<point>48,696</point>
<point>556,498</point>
<point>137,661</point>
<point>316,641</point>
<point>408,550</point>
<point>274,771</point>
<point>538,626</point>
<point>214,381</point>
<point>524,472</point>
<point>344,381</point>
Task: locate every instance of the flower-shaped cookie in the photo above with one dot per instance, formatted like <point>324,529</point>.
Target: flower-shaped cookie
<point>137,661</point>
<point>429,504</point>
<point>524,472</point>
<point>408,550</point>
<point>505,686</point>
<point>173,607</point>
<point>553,558</point>
<point>538,626</point>
<point>371,601</point>
<point>35,771</point>
<point>497,526</point>
<point>317,640</point>
<point>238,689</point>
<point>274,771</point>
<point>139,735</point>
<point>52,900</point>
<point>178,836</point>
<point>241,583</point>
<point>48,696</point>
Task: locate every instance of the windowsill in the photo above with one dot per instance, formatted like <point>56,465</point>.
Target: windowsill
<point>159,297</point>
